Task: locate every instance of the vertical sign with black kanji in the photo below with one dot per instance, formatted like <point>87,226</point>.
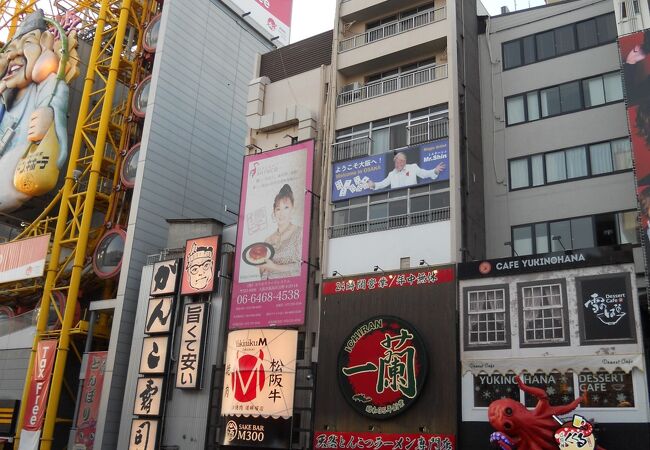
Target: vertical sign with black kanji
<point>190,356</point>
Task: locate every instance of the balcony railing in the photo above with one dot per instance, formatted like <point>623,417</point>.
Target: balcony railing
<point>388,223</point>
<point>351,149</point>
<point>393,84</point>
<point>428,131</point>
<point>392,28</point>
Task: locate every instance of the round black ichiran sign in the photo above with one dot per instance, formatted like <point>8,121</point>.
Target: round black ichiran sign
<point>382,367</point>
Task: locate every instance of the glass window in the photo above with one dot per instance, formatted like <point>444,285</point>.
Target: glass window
<point>570,96</point>
<point>397,208</point>
<point>537,163</point>
<point>378,211</point>
<point>565,41</point>
<point>555,167</point>
<point>605,225</point>
<point>601,158</point>
<point>560,235</point>
<point>576,162</point>
<point>439,200</point>
<point>627,227</point>
<point>594,91</point>
<point>613,87</point>
<point>340,217</point>
<point>486,317</point>
<point>512,54</point>
<point>420,203</point>
<point>550,99</point>
<point>398,136</point>
<point>541,238</point>
<point>587,34</point>
<point>558,387</point>
<point>380,140</point>
<point>582,232</point>
<point>543,314</point>
<point>545,45</point>
<point>488,388</point>
<point>358,214</point>
<point>515,110</point>
<point>528,44</point>
<point>532,101</point>
<point>606,28</point>
<point>606,390</point>
<point>621,154</point>
<point>522,240</point>
<point>519,173</point>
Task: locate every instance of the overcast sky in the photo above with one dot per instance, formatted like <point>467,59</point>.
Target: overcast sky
<point>311,17</point>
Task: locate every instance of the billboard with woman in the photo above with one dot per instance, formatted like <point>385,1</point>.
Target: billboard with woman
<point>270,277</point>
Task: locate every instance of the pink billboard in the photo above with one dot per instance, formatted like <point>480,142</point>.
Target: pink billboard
<point>272,15</point>
<point>270,277</point>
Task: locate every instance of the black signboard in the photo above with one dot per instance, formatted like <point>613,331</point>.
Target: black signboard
<point>382,367</point>
<point>267,432</point>
<point>570,259</point>
<point>606,308</point>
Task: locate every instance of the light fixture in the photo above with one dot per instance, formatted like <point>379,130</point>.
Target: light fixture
<point>559,240</point>
<point>253,146</point>
<point>336,273</point>
<point>225,208</point>
<point>423,262</point>
<point>294,139</point>
<point>246,14</point>
<point>314,266</point>
<point>377,268</point>
<point>509,244</point>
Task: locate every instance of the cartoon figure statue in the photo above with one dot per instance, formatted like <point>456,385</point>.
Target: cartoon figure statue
<point>35,66</point>
<point>521,429</point>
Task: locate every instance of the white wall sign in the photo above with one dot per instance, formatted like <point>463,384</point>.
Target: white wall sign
<point>190,355</point>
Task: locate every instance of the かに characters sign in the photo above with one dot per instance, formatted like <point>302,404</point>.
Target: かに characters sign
<point>382,367</point>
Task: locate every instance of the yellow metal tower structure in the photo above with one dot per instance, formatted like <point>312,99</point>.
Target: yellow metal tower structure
<point>90,201</point>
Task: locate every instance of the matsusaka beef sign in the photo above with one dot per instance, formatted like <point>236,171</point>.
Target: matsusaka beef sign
<point>382,366</point>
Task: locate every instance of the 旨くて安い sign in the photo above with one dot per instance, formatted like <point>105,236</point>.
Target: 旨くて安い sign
<point>382,367</point>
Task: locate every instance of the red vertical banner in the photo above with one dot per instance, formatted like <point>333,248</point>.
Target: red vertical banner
<point>38,391</point>
<point>634,50</point>
<point>90,397</point>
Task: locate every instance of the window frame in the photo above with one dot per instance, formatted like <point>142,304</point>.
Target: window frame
<point>590,171</point>
<point>549,238</point>
<point>557,54</point>
<point>566,341</point>
<point>538,91</point>
<point>469,346</point>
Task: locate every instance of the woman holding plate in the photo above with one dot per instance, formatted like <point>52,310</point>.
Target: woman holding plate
<point>286,240</point>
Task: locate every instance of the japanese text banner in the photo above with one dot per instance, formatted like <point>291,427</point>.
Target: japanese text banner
<point>383,441</point>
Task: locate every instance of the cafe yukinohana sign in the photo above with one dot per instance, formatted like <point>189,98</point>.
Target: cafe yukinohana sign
<point>382,367</point>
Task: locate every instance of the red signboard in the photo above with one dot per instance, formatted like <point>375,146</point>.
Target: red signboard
<point>23,259</point>
<point>90,396</point>
<point>37,396</point>
<point>383,441</point>
<point>385,281</point>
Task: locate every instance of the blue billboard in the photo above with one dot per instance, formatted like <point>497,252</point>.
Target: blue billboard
<point>422,164</point>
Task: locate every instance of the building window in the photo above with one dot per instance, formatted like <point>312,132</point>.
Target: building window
<point>606,390</point>
<point>543,314</point>
<point>398,131</point>
<point>487,317</point>
<point>488,388</point>
<point>559,41</point>
<point>590,160</point>
<point>581,232</point>
<point>388,210</point>
<point>564,98</point>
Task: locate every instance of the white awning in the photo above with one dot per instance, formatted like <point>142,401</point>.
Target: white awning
<point>593,363</point>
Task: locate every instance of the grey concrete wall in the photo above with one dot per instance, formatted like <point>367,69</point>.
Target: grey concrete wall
<point>190,158</point>
<point>13,369</point>
<point>504,208</point>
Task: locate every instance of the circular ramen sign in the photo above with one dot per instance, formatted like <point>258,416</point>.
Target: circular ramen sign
<point>382,366</point>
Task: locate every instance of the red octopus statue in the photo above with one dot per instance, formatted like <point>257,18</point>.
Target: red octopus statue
<point>521,429</point>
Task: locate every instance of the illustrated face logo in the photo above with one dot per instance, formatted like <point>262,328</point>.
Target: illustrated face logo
<point>231,430</point>
<point>609,309</point>
<point>248,378</point>
<point>382,367</point>
<point>200,266</point>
